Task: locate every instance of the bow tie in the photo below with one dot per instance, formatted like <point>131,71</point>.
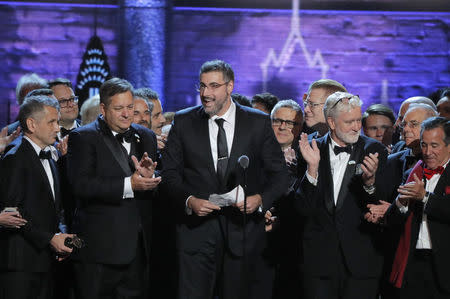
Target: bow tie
<point>127,136</point>
<point>428,173</point>
<point>45,155</point>
<point>65,132</point>
<point>342,149</point>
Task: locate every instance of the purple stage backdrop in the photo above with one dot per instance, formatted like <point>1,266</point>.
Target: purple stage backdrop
<point>382,56</point>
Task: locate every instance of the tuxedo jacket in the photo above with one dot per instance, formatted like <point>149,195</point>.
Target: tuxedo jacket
<point>330,229</point>
<point>437,210</point>
<point>189,170</point>
<point>24,184</point>
<point>97,167</point>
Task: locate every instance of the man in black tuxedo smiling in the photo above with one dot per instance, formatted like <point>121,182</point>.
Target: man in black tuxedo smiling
<point>114,193</point>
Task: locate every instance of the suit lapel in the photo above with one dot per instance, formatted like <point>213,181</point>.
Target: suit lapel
<point>326,173</point>
<point>443,181</point>
<point>237,144</point>
<point>34,158</point>
<point>202,128</point>
<point>354,160</point>
<point>114,146</point>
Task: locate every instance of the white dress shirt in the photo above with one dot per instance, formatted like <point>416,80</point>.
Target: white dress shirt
<point>127,189</point>
<point>338,165</point>
<point>45,163</point>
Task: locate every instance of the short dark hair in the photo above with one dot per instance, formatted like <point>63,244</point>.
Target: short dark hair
<point>32,105</point>
<point>146,93</point>
<point>378,109</point>
<point>60,81</point>
<point>241,99</point>
<point>40,92</point>
<point>329,85</point>
<point>437,122</point>
<point>267,99</point>
<point>112,87</point>
<point>218,66</point>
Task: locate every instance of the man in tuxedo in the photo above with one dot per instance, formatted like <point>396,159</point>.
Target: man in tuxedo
<point>313,101</point>
<point>31,184</point>
<point>340,256</point>
<point>200,159</point>
<point>114,194</point>
<point>421,267</point>
<point>68,102</point>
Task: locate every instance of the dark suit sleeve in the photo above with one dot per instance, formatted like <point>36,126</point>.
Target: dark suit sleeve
<point>274,167</point>
<point>88,180</point>
<point>13,194</point>
<point>172,159</point>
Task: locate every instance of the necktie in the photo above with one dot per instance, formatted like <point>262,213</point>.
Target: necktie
<point>222,150</point>
<point>45,155</point>
<point>428,173</point>
<point>342,149</point>
<point>65,132</point>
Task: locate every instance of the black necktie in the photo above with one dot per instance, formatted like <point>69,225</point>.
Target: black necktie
<point>45,155</point>
<point>342,149</point>
<point>222,150</point>
<point>65,132</point>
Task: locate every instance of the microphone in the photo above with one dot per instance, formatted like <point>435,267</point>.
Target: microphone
<point>243,161</point>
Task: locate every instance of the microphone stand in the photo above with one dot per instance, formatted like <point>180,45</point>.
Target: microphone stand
<point>244,164</point>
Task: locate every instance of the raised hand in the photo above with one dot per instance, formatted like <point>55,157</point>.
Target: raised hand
<point>414,190</point>
<point>62,145</point>
<point>310,153</point>
<point>145,167</point>
<point>5,139</point>
<point>369,168</point>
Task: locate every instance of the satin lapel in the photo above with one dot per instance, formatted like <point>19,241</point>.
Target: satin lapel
<point>201,128</point>
<point>56,186</point>
<point>38,166</point>
<point>325,174</point>
<point>113,146</point>
<point>355,158</point>
<point>443,181</point>
<point>236,147</point>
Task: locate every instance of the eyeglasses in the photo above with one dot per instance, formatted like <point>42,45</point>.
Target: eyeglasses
<point>289,123</point>
<point>212,86</point>
<point>412,124</point>
<point>63,103</point>
<point>311,104</point>
<point>343,98</point>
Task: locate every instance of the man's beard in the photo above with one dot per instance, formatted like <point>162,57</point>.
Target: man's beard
<point>347,138</point>
<point>216,107</point>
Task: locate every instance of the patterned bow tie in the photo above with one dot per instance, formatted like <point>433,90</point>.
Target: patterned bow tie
<point>428,173</point>
<point>45,155</point>
<point>342,149</point>
<point>127,136</point>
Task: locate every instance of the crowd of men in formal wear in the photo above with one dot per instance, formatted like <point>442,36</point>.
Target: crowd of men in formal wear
<point>234,198</point>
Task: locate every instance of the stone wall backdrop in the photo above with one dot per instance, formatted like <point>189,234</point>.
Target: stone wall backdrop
<point>382,56</point>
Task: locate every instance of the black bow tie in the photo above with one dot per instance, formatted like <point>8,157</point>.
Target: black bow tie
<point>127,136</point>
<point>342,149</point>
<point>65,132</point>
<point>45,155</point>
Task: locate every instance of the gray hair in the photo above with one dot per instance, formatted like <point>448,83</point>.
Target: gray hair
<point>335,103</point>
<point>429,110</point>
<point>286,104</point>
<point>34,105</point>
<point>27,82</point>
<point>437,122</point>
<point>149,103</point>
<point>90,109</point>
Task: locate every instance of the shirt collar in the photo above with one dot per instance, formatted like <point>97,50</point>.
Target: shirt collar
<point>228,114</point>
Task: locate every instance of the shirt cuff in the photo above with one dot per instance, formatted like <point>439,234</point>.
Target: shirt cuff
<point>127,189</point>
<point>187,209</point>
<point>311,179</point>
<point>401,207</point>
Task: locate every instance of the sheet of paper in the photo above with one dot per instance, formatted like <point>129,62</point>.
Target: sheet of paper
<point>227,199</point>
